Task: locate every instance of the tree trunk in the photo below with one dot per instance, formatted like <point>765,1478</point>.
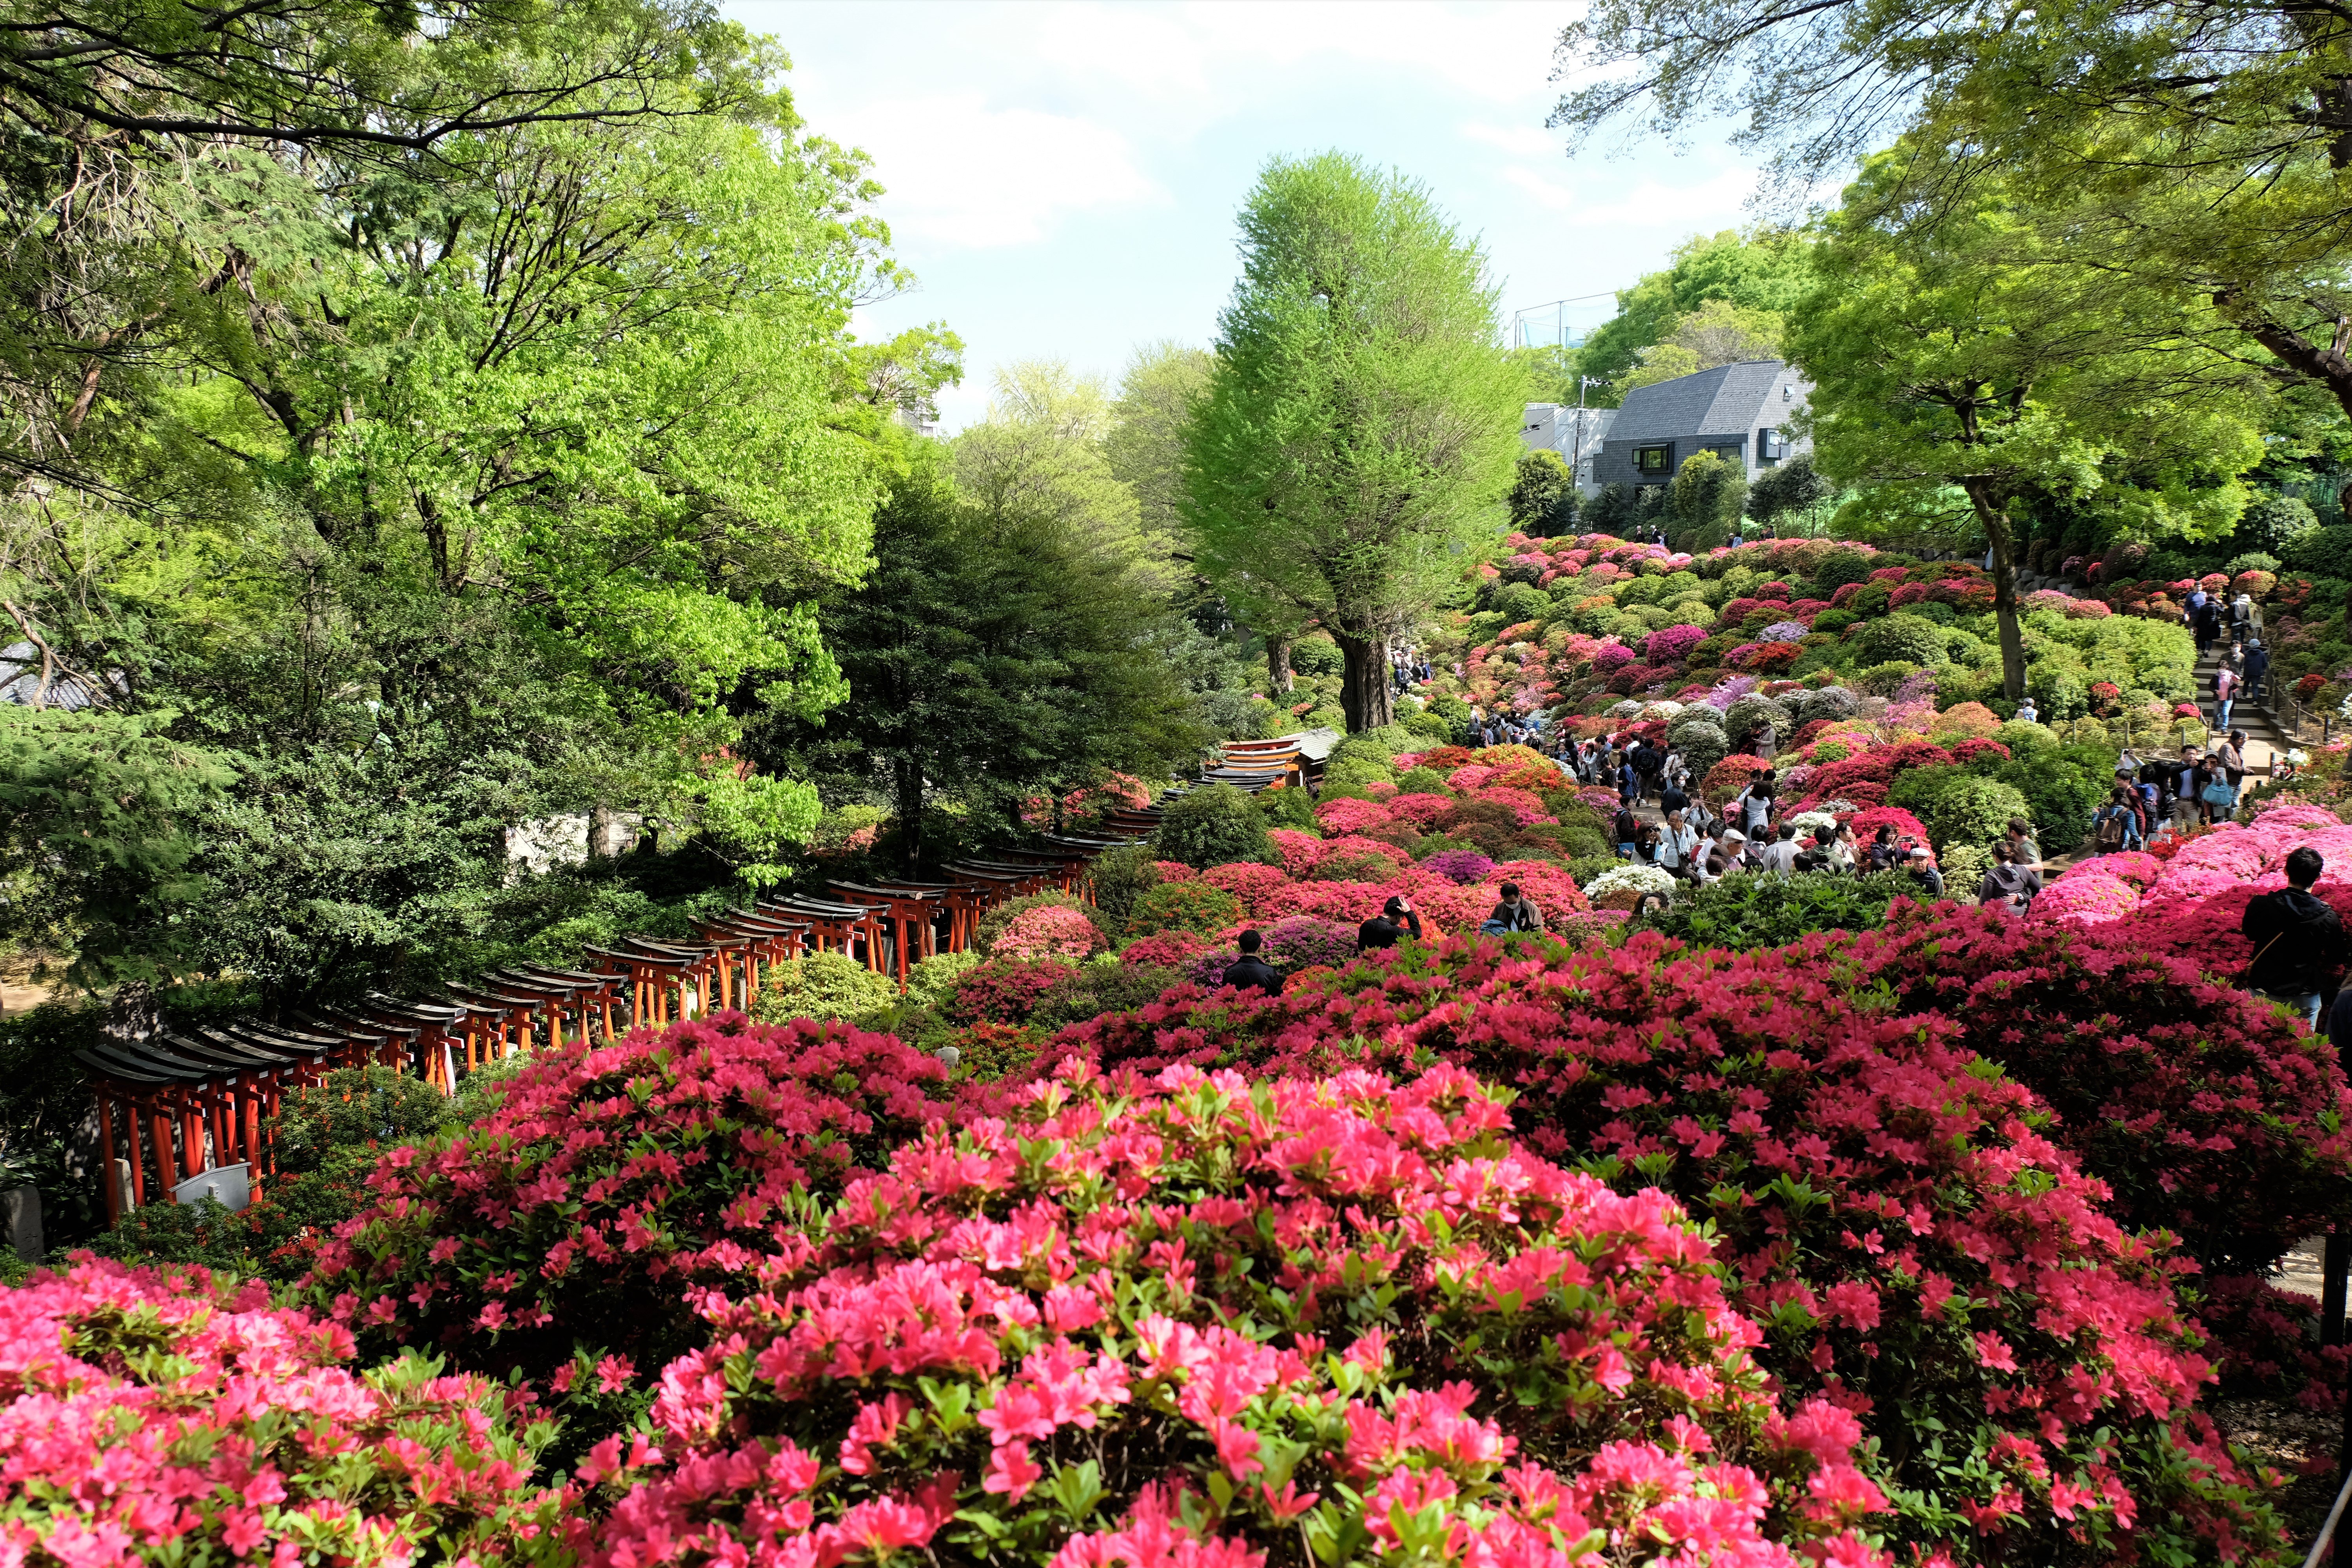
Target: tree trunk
<point>600,832</point>
<point>1365,694</point>
<point>1277,666</point>
<point>907,776</point>
<point>2003,541</point>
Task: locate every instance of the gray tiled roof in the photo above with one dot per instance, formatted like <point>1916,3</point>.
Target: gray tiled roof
<point>1729,400</point>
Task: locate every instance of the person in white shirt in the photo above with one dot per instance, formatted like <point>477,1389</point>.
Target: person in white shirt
<point>1678,845</point>
<point>1779,857</point>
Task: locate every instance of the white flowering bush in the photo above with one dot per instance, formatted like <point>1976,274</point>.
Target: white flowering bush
<point>1630,879</point>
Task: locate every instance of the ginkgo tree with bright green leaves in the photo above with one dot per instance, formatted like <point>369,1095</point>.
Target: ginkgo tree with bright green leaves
<point>1349,460</point>
<point>1954,348</point>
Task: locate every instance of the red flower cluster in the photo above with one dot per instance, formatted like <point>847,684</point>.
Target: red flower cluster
<point>1920,1251</point>
<point>2203,1108</point>
<point>608,1184</point>
<point>1199,1321</point>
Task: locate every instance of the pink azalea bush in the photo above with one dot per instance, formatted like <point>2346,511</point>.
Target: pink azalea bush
<point>169,1416</point>
<point>1158,1321</point>
<point>1868,1174</point>
<point>609,1185</point>
<point>1345,816</point>
<point>1050,931</point>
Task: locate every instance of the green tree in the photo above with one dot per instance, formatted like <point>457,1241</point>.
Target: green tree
<point>1955,355</point>
<point>471,486</point>
<point>1722,300</point>
<point>2199,151</point>
<point>1716,333</point>
<point>1792,488</point>
<point>1351,457</point>
<point>1145,446</point>
<point>1706,498</point>
<point>993,651</point>
<point>1543,496</point>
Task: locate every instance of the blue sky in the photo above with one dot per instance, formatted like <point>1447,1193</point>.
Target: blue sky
<point>1063,177</point>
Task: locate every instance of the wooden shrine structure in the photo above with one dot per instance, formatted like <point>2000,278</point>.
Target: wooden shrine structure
<point>186,1103</point>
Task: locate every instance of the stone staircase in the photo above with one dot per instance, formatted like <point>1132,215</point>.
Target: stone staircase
<point>2266,737</point>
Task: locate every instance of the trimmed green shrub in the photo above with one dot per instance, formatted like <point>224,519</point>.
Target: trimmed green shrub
<point>1882,679</point>
<point>1287,807</point>
<point>933,981</point>
<point>1215,824</point>
<point>1746,912</point>
<point>1955,806</point>
<point>822,986</point>
<point>1914,639</point>
<point>1195,907</point>
<point>1122,876</point>
<point>1422,781</point>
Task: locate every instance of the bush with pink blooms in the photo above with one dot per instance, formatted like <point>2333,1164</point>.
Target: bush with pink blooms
<point>170,1417</point>
<point>1048,931</point>
<point>1917,1248</point>
<point>609,1185</point>
<point>1194,1319</point>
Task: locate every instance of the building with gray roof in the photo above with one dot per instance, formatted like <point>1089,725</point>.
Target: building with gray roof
<point>1740,412</point>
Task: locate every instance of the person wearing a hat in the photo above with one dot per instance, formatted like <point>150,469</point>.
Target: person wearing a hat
<point>1727,856</point>
<point>1922,865</point>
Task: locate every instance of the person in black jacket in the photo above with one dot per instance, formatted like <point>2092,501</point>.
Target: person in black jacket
<point>1252,970</point>
<point>2298,940</point>
<point>1383,930</point>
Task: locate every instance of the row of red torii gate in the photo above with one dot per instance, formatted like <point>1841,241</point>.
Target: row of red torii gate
<point>182,1113</point>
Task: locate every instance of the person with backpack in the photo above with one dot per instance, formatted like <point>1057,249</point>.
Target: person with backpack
<point>1516,914</point>
<point>1628,828</point>
<point>1648,763</point>
<point>2299,947</point>
<point>1251,971</point>
<point>2008,886</point>
<point>2230,759</point>
<point>2115,827</point>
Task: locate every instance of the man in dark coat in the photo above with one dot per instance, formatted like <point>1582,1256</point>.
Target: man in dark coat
<point>2298,940</point>
<point>1395,917</point>
<point>1252,970</point>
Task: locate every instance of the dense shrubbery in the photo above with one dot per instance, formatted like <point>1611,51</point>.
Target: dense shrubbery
<point>611,1184</point>
<point>1206,1319</point>
<point>165,1416</point>
<point>1747,912</point>
<point>1869,1174</point>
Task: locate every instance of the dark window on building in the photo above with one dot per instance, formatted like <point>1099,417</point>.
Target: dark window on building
<point>1771,445</point>
<point>1729,452</point>
<point>1653,459</point>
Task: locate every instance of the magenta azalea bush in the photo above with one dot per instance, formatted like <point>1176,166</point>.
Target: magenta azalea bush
<point>1894,1215</point>
<point>1196,1319</point>
<point>610,1184</point>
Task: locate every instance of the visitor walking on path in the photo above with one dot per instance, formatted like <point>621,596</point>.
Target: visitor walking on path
<point>2298,940</point>
<point>2258,665</point>
<point>2230,756</point>
<point>1251,970</point>
<point>1678,843</point>
<point>2225,690</point>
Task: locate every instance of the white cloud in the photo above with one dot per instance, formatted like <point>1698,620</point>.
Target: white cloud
<point>1542,191</point>
<point>1526,141</point>
<point>959,172</point>
<point>1716,202</point>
